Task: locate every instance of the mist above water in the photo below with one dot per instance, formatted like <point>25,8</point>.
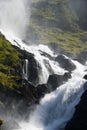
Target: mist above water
<point>57,108</point>
<point>14,16</point>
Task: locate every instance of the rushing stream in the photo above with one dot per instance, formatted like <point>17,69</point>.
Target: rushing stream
<point>57,107</point>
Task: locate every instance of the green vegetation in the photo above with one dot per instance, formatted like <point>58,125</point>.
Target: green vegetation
<point>9,62</point>
<point>1,122</point>
<point>68,41</point>
<point>59,21</point>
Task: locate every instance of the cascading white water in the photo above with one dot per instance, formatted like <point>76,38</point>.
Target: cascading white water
<point>25,70</point>
<point>13,17</point>
<point>47,66</point>
<point>57,108</point>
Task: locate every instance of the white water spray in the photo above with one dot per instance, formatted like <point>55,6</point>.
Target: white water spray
<point>57,108</point>
<point>25,70</point>
<point>13,17</point>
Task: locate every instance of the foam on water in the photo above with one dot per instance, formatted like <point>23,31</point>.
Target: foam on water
<point>47,66</point>
<point>57,108</point>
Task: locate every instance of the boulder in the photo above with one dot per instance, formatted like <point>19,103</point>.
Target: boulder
<point>85,77</point>
<point>41,90</point>
<point>66,76</point>
<point>79,119</point>
<point>65,63</point>
<point>56,80</point>
<point>33,68</point>
<point>28,90</point>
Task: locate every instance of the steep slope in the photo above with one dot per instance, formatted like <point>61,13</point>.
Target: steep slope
<point>9,64</point>
<point>62,22</point>
<point>15,93</point>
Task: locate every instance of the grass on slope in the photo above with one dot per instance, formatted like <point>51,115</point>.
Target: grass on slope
<point>9,61</point>
<point>69,41</point>
<point>54,21</point>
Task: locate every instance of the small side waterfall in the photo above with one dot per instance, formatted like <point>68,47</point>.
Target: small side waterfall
<point>57,107</point>
<point>25,70</point>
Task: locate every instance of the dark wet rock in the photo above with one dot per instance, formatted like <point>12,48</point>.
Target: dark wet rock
<point>82,57</point>
<point>33,70</point>
<point>33,94</point>
<point>65,63</point>
<point>66,76</point>
<point>85,77</point>
<point>46,55</point>
<point>18,100</point>
<point>28,90</point>
<point>33,67</point>
<point>41,90</point>
<point>56,80</point>
<point>79,119</point>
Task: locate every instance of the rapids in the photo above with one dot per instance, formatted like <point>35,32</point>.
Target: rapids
<point>56,108</point>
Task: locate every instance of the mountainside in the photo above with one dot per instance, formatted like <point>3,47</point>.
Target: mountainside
<point>14,89</point>
<point>21,84</point>
<point>59,21</point>
<point>9,64</point>
<point>19,94</point>
<point>57,72</point>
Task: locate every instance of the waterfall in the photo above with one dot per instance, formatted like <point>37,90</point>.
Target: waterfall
<point>14,17</point>
<point>57,108</point>
<point>25,69</point>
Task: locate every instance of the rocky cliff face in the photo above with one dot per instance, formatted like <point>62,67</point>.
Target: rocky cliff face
<point>14,89</point>
<point>19,72</point>
<point>55,22</point>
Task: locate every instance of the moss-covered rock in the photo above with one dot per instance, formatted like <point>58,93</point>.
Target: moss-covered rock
<point>12,98</point>
<point>9,64</point>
